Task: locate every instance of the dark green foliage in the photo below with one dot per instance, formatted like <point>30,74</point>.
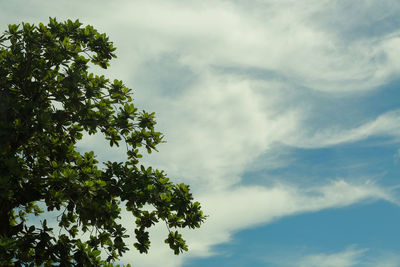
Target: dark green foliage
<point>48,99</point>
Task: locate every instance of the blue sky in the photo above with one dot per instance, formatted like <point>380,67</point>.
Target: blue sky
<point>283,116</point>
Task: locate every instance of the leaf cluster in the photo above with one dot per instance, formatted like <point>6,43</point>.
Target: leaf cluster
<point>48,100</point>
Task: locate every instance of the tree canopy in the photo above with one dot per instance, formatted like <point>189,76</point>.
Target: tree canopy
<point>48,100</point>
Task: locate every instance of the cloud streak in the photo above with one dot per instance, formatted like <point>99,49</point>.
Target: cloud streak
<point>248,206</point>
<point>349,257</point>
<point>385,125</point>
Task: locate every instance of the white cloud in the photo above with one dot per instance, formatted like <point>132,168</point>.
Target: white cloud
<point>387,125</point>
<point>384,259</point>
<point>281,36</point>
<point>218,127</point>
<point>349,257</point>
<point>247,206</point>
<point>242,207</point>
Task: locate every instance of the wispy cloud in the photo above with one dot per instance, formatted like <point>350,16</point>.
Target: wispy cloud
<point>248,206</point>
<point>386,125</point>
<point>348,258</point>
<point>286,37</point>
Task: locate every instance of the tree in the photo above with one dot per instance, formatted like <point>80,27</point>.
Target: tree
<point>48,99</point>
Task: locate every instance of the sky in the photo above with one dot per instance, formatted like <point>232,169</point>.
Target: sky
<point>283,117</point>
